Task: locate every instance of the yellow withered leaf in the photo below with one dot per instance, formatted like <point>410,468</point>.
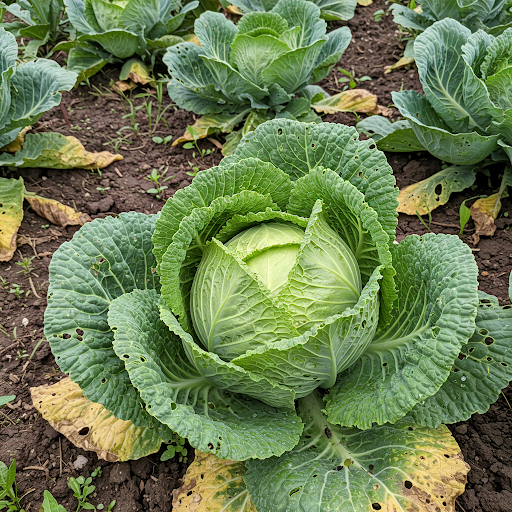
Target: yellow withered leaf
<point>213,485</point>
<point>233,9</point>
<point>404,61</point>
<point>136,71</point>
<point>57,213</point>
<point>209,124</point>
<point>364,3</point>
<point>192,38</point>
<point>90,426</point>
<point>354,100</point>
<point>73,154</point>
<point>428,194</point>
<point>17,143</point>
<point>483,212</point>
<point>11,215</point>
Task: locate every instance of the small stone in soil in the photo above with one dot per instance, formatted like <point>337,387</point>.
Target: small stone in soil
<point>80,462</point>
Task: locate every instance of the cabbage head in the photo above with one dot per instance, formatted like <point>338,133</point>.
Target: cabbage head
<point>267,315</point>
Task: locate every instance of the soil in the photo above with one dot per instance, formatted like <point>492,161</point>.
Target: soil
<point>96,118</point>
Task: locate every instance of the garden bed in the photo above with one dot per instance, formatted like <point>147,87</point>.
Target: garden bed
<point>96,117</point>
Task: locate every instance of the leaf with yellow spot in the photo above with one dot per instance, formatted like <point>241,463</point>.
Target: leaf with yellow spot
<point>11,215</point>
<point>17,143</point>
<point>57,213</point>
<point>56,151</point>
<point>428,194</point>
<point>354,100</point>
<point>209,124</point>
<point>213,485</point>
<point>90,426</point>
<point>401,467</point>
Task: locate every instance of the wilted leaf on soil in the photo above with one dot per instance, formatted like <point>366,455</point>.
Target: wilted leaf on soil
<point>354,100</point>
<point>11,215</point>
<point>408,58</point>
<point>483,213</point>
<point>90,426</point>
<point>364,3</point>
<point>136,71</point>
<point>57,213</point>
<point>213,485</point>
<point>426,195</point>
<point>209,124</point>
<point>17,143</point>
<point>56,151</point>
<point>121,86</point>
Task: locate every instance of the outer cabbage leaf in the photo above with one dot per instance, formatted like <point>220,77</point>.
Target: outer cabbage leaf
<point>213,420</point>
<point>478,375</point>
<point>464,148</point>
<point>389,467</point>
<point>395,137</point>
<point>410,359</point>
<point>105,259</point>
<point>297,148</point>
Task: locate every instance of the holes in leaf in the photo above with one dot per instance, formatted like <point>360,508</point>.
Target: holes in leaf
<point>279,132</point>
<point>408,484</point>
<point>314,476</point>
<point>461,356</point>
<point>438,189</point>
<point>313,145</point>
<point>66,336</point>
<point>410,428</point>
<point>83,431</point>
<point>504,364</point>
<point>356,157</point>
<point>372,146</point>
<point>471,349</point>
<point>295,491</point>
<point>211,406</point>
<point>103,381</point>
<point>173,406</point>
<point>483,332</point>
<point>435,331</point>
<point>488,341</point>
<point>210,446</point>
<point>455,370</point>
<point>126,356</point>
<point>338,468</point>
<point>370,468</point>
<point>489,359</point>
<point>189,493</point>
<point>363,324</point>
<point>376,487</point>
<point>202,476</point>
<point>142,359</point>
<point>384,364</point>
<point>447,456</point>
<point>80,332</point>
<point>360,174</point>
<point>376,506</point>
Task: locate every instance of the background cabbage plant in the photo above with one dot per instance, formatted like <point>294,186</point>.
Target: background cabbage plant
<point>330,9</point>
<point>466,113</point>
<point>268,316</point>
<point>491,16</point>
<point>42,21</point>
<point>254,71</point>
<point>118,29</point>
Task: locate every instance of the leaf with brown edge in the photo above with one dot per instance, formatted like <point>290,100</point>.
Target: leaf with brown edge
<point>428,194</point>
<point>11,215</point>
<point>90,426</point>
<point>136,71</point>
<point>210,124</point>
<point>17,143</point>
<point>57,213</point>
<point>354,100</point>
<point>55,151</point>
<point>483,212</point>
<point>213,485</point>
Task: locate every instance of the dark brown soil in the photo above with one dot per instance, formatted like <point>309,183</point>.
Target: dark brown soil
<point>147,484</point>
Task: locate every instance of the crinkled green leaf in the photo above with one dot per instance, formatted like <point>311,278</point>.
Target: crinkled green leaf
<point>500,88</point>
<point>262,20</point>
<point>331,52</point>
<point>409,360</point>
<point>478,375</point>
<point>464,148</point>
<point>396,137</point>
<point>498,55</point>
<point>213,420</point>
<point>297,148</point>
<point>389,467</point>
<point>355,222</point>
<point>180,260</point>
<point>225,375</point>
<point>208,185</point>
<point>105,259</point>
<point>118,42</point>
